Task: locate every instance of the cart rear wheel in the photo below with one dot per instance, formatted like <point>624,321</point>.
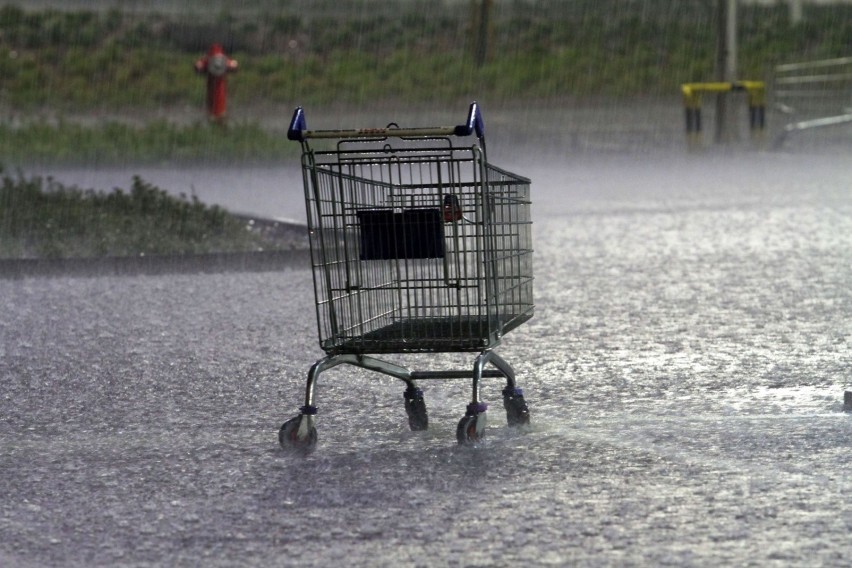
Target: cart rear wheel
<point>415,408</point>
<point>294,435</point>
<point>517,412</point>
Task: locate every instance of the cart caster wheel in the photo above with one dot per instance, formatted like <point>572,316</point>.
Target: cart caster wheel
<point>517,413</point>
<point>299,434</point>
<point>471,428</point>
<point>415,408</point>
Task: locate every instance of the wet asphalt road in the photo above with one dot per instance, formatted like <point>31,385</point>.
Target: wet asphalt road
<point>685,372</point>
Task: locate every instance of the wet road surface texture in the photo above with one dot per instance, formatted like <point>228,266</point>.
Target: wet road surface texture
<point>685,372</point>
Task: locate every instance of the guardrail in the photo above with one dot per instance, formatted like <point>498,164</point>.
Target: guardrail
<point>819,93</point>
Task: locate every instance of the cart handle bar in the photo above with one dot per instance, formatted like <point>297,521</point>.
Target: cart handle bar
<point>299,129</point>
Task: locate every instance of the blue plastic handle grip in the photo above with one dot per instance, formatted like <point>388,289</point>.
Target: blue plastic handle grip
<point>474,123</point>
<point>297,125</point>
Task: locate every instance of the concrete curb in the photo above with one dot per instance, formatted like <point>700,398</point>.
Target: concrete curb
<point>264,261</point>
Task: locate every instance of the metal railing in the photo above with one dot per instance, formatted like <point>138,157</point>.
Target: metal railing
<point>814,94</point>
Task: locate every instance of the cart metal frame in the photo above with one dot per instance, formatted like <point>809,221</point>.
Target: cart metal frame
<point>418,245</point>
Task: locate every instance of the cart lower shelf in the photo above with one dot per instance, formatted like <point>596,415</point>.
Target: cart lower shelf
<point>428,335</point>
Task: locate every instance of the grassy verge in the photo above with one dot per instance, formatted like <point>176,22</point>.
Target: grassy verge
<point>41,218</point>
<point>357,52</point>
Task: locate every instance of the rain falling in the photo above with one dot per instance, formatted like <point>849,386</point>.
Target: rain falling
<point>650,263</point>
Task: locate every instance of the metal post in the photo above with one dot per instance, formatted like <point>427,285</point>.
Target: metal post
<point>731,33</point>
<point>795,11</point>
<point>726,67</point>
<point>482,33</point>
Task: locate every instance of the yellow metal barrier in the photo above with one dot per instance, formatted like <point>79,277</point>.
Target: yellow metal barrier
<point>756,91</point>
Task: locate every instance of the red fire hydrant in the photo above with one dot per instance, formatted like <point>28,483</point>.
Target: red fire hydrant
<point>216,65</point>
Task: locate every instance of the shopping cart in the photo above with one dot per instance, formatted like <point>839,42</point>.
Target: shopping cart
<point>418,245</point>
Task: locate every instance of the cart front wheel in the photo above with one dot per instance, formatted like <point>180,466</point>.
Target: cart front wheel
<point>471,428</point>
<point>415,408</point>
<point>299,434</point>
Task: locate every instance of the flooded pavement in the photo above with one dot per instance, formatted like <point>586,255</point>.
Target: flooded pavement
<point>685,372</point>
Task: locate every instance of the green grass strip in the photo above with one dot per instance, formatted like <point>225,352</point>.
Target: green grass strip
<point>42,218</point>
